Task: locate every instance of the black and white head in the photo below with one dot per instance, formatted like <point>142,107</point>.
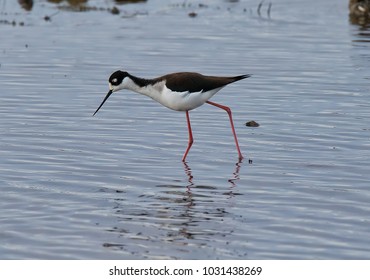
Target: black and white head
<point>117,81</point>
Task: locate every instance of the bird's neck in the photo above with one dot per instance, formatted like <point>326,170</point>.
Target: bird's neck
<point>148,87</point>
<point>140,82</point>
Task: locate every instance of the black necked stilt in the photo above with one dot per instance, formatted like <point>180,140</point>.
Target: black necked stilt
<point>183,91</point>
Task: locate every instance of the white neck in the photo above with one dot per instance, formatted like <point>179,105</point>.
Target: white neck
<point>153,91</point>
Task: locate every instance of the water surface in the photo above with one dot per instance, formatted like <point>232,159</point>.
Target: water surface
<point>113,186</point>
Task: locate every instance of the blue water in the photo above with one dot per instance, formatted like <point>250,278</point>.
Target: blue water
<point>113,186</point>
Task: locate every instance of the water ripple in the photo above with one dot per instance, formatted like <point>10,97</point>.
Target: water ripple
<point>113,186</point>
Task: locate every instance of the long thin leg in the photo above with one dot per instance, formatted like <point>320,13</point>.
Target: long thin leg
<point>190,136</point>
<point>227,109</point>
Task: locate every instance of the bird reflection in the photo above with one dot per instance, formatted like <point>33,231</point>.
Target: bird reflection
<point>235,176</point>
<point>197,209</point>
<point>233,180</point>
<point>188,173</point>
<point>176,213</point>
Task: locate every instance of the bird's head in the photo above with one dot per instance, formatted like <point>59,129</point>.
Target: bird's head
<point>117,81</point>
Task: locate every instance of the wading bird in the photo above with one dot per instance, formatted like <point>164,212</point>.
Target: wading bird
<point>183,91</point>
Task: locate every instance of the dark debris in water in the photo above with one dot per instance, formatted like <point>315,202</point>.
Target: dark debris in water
<point>359,12</point>
<point>192,14</point>
<point>12,22</point>
<point>83,6</point>
<point>115,10</point>
<point>194,6</point>
<point>252,124</point>
<point>48,17</point>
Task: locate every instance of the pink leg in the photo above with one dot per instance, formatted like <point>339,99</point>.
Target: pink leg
<point>190,136</point>
<point>227,109</point>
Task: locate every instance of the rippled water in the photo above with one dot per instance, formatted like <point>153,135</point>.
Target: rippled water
<point>113,186</point>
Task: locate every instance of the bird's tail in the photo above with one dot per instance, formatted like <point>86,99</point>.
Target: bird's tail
<point>237,78</point>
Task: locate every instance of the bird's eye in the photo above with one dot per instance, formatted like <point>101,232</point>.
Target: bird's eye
<point>114,81</point>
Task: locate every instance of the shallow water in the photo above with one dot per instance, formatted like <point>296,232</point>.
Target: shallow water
<point>113,186</point>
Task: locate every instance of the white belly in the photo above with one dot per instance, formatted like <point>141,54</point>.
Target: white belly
<point>184,101</point>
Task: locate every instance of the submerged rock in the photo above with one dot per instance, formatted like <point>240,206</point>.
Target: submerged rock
<point>252,124</point>
<point>115,10</point>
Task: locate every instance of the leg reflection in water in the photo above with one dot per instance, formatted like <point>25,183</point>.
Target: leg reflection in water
<point>234,178</point>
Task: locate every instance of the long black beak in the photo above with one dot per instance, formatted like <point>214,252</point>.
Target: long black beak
<point>105,99</point>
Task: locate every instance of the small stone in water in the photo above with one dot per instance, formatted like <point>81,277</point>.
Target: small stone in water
<point>252,124</point>
<point>114,11</point>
